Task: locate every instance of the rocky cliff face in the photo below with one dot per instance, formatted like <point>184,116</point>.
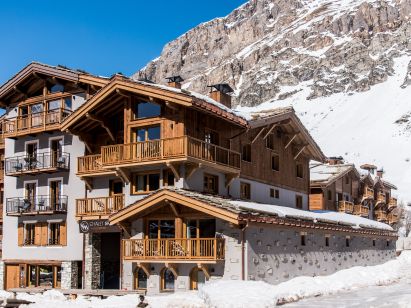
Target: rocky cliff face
<point>272,49</point>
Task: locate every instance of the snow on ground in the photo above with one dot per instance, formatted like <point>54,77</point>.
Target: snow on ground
<point>238,294</point>
<point>360,126</point>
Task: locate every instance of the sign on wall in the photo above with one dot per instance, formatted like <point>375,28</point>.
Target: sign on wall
<point>97,226</point>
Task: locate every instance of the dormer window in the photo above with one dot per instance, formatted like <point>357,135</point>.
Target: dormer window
<point>146,110</point>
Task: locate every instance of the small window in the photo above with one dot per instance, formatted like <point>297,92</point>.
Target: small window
<point>275,162</point>
<point>299,170</point>
<point>36,108</point>
<point>269,142</point>
<point>140,279</point>
<point>144,183</point>
<point>303,236</point>
<point>347,180</point>
<point>373,243</point>
<point>146,110</point>
<point>299,202</point>
<point>327,241</point>
<point>29,234</point>
<point>274,193</point>
<point>245,191</point>
<point>246,152</point>
<point>57,88</point>
<point>54,105</point>
<point>347,241</point>
<point>210,183</point>
<point>54,234</point>
<point>329,195</point>
<point>68,103</point>
<point>388,243</point>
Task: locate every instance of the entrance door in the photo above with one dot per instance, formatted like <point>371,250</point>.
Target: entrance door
<point>110,261</point>
<point>55,194</point>
<point>56,148</point>
<point>12,276</point>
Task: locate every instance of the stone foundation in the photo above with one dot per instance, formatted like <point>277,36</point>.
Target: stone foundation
<point>92,260</point>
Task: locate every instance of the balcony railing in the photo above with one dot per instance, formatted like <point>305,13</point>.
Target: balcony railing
<point>368,193</point>
<point>41,162</point>
<point>381,216</point>
<point>38,205</point>
<point>361,210</point>
<point>89,164</point>
<point>99,206</point>
<point>34,122</point>
<point>196,249</point>
<point>381,197</point>
<point>392,204</point>
<point>345,207</point>
<point>393,218</point>
<point>167,149</point>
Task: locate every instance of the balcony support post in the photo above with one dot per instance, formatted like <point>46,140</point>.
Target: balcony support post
<point>258,135</point>
<point>121,173</point>
<point>270,130</point>
<point>174,169</point>
<point>291,141</point>
<point>300,151</point>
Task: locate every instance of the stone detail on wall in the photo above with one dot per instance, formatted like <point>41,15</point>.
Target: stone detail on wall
<point>2,268</point>
<point>69,274</point>
<point>92,264</point>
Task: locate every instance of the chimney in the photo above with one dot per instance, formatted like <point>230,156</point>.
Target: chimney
<point>370,168</point>
<point>380,173</point>
<point>175,81</point>
<point>220,93</point>
<point>335,160</point>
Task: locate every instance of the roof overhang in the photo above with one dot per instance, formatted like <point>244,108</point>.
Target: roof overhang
<point>138,208</point>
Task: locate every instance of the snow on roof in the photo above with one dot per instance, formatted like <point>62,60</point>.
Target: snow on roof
<point>356,222</point>
<point>327,173</point>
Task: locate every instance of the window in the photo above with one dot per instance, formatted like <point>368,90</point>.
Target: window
<point>210,183</point>
<point>146,110</point>
<point>246,152</point>
<point>347,180</point>
<point>329,195</point>
<point>167,280</point>
<point>299,202</point>
<point>54,105</point>
<point>201,228</point>
<point>211,137</point>
<point>140,279</point>
<point>168,178</point>
<point>245,191</point>
<point>388,243</point>
<point>54,234</point>
<point>347,241</point>
<point>147,133</point>
<point>57,88</point>
<point>274,193</point>
<point>48,276</point>
<point>68,103</point>
<point>303,238</point>
<point>36,108</point>
<point>161,229</point>
<point>373,242</point>
<point>146,182</point>
<point>327,241</point>
<point>29,234</point>
<point>269,142</point>
<point>275,162</point>
<point>299,170</point>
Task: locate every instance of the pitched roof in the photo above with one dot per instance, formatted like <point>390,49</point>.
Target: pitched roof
<point>326,174</point>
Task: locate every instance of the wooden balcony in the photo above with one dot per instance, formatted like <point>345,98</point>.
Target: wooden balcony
<point>380,216</point>
<point>182,148</point>
<point>393,218</point>
<point>99,207</point>
<point>39,163</point>
<point>368,193</point>
<point>34,123</point>
<point>40,205</point>
<point>345,207</point>
<point>361,210</point>
<point>381,198</point>
<point>177,250</point>
<point>392,204</point>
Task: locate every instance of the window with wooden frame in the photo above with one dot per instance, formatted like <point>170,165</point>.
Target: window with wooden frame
<point>274,193</point>
<point>210,183</point>
<point>146,133</point>
<point>299,170</point>
<point>54,234</point>
<point>269,142</point>
<point>303,238</point>
<point>48,276</point>
<point>29,234</point>
<point>299,202</point>
<point>200,228</point>
<point>245,191</point>
<point>167,280</point>
<point>211,136</point>
<point>145,182</point>
<point>347,180</point>
<point>168,178</point>
<point>161,228</point>
<point>140,279</point>
<point>142,110</point>
<point>246,152</point>
<point>275,162</point>
<point>42,234</point>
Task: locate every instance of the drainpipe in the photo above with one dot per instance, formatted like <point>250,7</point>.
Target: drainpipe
<point>243,250</point>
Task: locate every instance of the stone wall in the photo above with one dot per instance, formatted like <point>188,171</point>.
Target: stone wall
<point>69,275</point>
<point>2,269</point>
<point>92,261</point>
<point>277,254</point>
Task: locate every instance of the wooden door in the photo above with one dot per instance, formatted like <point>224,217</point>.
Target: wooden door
<point>12,276</point>
<point>55,192</point>
<point>56,151</point>
<point>30,195</point>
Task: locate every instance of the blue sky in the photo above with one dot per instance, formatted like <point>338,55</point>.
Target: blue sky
<point>101,37</point>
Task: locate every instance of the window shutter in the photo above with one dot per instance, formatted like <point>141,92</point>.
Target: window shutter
<point>63,233</point>
<point>37,234</point>
<point>20,234</point>
<point>44,234</point>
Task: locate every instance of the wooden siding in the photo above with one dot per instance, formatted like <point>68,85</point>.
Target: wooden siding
<point>316,202</point>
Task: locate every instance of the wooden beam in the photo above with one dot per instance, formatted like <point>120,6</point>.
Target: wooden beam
<point>173,168</point>
<point>126,227</point>
<point>291,140</point>
<point>145,267</point>
<point>300,151</point>
<point>83,138</point>
<point>20,91</point>
<point>123,175</point>
<point>270,130</point>
<point>103,125</point>
<point>173,208</point>
<point>122,93</point>
<point>172,106</point>
<point>88,182</point>
<point>204,268</point>
<point>229,178</point>
<point>172,268</point>
<point>258,135</point>
<point>190,169</point>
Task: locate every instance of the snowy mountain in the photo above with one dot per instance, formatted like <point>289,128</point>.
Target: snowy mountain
<point>345,66</point>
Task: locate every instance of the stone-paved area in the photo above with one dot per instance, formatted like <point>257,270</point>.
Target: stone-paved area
<point>392,296</point>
